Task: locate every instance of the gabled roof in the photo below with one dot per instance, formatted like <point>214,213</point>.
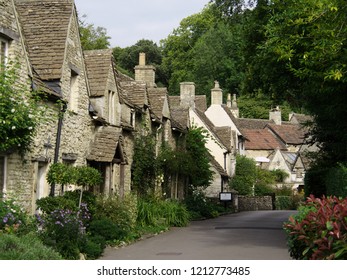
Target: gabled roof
<point>134,91</point>
<point>156,99</point>
<point>291,134</point>
<point>99,63</point>
<point>224,140</point>
<point>243,123</point>
<point>105,145</point>
<point>218,167</point>
<point>45,29</point>
<point>200,102</point>
<point>179,118</point>
<point>300,119</point>
<point>261,139</point>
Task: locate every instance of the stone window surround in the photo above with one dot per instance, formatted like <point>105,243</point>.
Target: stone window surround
<point>6,36</point>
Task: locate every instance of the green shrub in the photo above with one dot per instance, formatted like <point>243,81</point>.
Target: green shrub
<point>319,231</point>
<point>122,212</point>
<point>283,203</point>
<point>336,181</point>
<point>175,213</point>
<point>315,181</point>
<point>49,204</point>
<point>107,229</point>
<point>93,247</point>
<point>27,247</point>
<point>200,207</point>
<point>245,176</point>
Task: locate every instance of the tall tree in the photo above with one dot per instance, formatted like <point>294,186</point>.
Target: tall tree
<point>309,38</point>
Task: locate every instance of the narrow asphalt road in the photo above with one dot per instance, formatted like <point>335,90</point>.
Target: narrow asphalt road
<point>242,236</point>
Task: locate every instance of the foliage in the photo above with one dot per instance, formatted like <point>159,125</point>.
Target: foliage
<point>64,230</point>
<point>245,175</point>
<point>178,47</point>
<point>336,181</point>
<point>308,38</point>
<point>128,57</point>
<point>93,38</point>
<point>12,217</point>
<point>144,167</point>
<point>161,213</point>
<point>20,113</point>
<point>265,181</point>
<point>315,180</point>
<point>27,247</point>
<point>60,173</point>
<point>320,230</point>
<point>122,212</point>
<point>201,207</point>
<point>198,157</point>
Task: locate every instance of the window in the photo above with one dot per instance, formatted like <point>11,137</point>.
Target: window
<point>74,92</point>
<point>3,52</point>
<point>111,107</point>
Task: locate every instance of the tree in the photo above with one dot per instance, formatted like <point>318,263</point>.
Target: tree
<point>178,47</point>
<point>309,38</point>
<point>198,157</point>
<point>127,58</point>
<point>93,38</point>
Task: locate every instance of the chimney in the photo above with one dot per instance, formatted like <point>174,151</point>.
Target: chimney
<point>216,95</point>
<point>276,116</point>
<point>232,104</point>
<point>145,73</point>
<point>187,94</point>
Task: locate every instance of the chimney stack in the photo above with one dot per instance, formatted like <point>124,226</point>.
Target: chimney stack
<point>232,104</point>
<point>216,94</point>
<point>276,115</point>
<point>187,94</point>
<point>145,73</point>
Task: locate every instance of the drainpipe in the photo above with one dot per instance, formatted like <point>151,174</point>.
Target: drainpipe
<point>57,142</point>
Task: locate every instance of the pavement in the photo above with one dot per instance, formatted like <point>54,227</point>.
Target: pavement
<point>254,235</point>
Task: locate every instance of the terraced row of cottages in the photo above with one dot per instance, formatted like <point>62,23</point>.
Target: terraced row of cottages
<point>93,113</point>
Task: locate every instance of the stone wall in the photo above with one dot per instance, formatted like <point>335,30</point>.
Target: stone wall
<point>254,203</point>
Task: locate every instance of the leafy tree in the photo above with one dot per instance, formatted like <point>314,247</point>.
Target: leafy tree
<point>198,156</point>
<point>308,37</point>
<point>178,47</point>
<point>245,175</point>
<point>127,58</point>
<point>93,38</point>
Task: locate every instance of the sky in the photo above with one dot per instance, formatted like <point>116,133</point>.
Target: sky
<point>128,21</point>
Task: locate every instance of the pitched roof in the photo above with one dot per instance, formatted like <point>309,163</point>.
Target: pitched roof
<point>300,119</point>
<point>200,102</point>
<point>179,118</point>
<point>45,28</point>
<point>134,91</point>
<point>224,140</point>
<point>261,139</point>
<point>291,134</point>
<point>218,167</point>
<point>156,99</point>
<point>98,65</point>
<point>104,147</point>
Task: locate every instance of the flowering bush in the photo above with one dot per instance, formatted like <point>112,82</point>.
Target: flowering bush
<point>65,230</point>
<point>19,112</point>
<point>319,231</point>
<point>11,216</point>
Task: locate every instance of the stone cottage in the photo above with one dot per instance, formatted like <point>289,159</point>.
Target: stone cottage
<point>49,45</point>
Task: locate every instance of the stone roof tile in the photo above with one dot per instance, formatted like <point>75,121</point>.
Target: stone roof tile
<point>45,28</point>
<point>261,139</point>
